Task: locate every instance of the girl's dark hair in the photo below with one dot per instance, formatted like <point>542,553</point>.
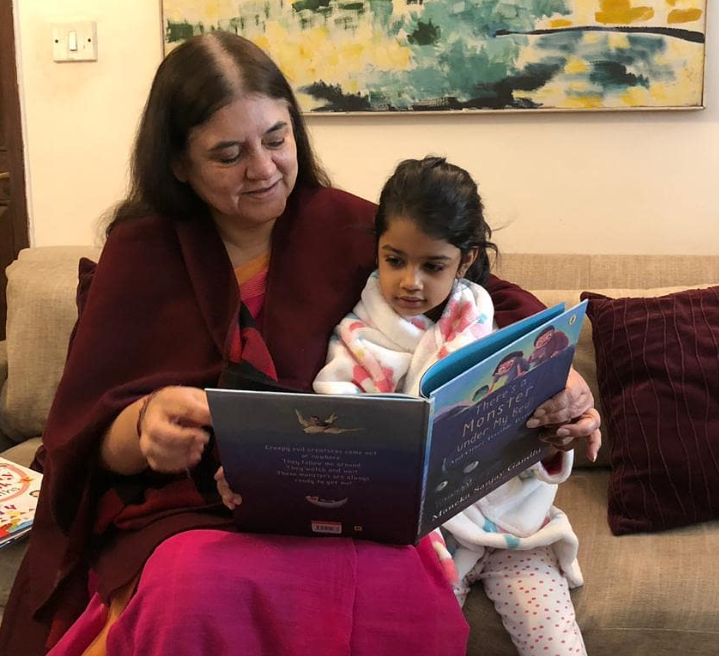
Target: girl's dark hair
<point>443,200</point>
<point>194,81</point>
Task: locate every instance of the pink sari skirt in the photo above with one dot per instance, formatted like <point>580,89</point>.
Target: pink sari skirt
<point>210,593</point>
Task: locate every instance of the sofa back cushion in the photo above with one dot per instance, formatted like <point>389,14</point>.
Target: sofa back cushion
<point>41,291</point>
<point>658,367</point>
<point>591,272</point>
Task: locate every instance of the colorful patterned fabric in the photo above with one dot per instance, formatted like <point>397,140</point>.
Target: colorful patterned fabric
<point>252,281</point>
<point>376,350</point>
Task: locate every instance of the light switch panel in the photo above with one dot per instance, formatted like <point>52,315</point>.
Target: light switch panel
<point>73,42</point>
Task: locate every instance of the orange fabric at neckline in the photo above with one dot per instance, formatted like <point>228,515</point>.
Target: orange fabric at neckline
<point>245,272</point>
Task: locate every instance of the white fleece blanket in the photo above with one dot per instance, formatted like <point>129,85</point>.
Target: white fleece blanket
<point>376,350</point>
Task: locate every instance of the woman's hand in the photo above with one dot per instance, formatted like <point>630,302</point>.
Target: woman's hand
<point>570,417</point>
<point>229,498</point>
<point>171,426</point>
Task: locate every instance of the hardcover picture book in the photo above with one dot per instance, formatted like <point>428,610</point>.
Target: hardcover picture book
<point>19,490</point>
<point>393,467</point>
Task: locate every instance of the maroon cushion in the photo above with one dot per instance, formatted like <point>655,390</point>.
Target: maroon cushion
<point>658,371</point>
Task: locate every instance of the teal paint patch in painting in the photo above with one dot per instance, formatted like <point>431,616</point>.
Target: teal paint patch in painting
<point>611,74</point>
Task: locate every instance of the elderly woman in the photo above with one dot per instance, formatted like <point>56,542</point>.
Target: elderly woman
<point>230,263</point>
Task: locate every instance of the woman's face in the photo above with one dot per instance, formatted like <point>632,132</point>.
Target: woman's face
<point>243,162</point>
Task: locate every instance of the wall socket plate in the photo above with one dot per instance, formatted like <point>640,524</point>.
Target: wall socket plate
<point>75,41</point>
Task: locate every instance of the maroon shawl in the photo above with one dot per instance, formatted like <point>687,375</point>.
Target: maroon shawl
<point>162,310</point>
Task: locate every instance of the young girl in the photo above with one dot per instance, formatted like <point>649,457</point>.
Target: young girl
<point>424,301</point>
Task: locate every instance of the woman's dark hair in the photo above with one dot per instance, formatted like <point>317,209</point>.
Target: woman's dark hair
<point>196,79</point>
<point>443,200</point>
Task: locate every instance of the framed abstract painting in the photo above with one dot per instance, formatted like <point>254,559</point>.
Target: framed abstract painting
<point>372,56</point>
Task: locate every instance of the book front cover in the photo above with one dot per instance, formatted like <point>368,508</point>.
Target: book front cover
<point>317,465</point>
<point>479,437</point>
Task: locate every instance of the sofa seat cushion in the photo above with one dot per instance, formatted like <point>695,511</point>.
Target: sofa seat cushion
<point>644,594</point>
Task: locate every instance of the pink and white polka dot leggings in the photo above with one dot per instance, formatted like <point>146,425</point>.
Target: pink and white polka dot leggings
<point>532,597</point>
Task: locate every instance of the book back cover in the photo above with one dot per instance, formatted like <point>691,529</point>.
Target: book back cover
<point>308,464</point>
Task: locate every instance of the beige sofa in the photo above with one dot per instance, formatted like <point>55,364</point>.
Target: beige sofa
<point>651,595</point>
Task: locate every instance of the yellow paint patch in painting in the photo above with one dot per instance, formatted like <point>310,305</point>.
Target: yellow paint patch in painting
<point>636,97</point>
<point>591,37</point>
<point>262,41</point>
<point>352,86</point>
<point>583,102</point>
<point>390,55</point>
<point>560,22</point>
<point>335,57</point>
<point>684,15</point>
<point>618,41</point>
<point>659,92</point>
<point>622,12</point>
<point>193,12</point>
<point>353,53</point>
<point>575,65</point>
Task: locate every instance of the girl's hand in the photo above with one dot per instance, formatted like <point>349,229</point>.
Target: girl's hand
<point>570,417</point>
<point>229,498</point>
<point>171,426</point>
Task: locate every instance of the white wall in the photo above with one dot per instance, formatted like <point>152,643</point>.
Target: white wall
<point>631,182</point>
<point>80,118</point>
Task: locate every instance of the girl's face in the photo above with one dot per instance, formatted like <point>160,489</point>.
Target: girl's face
<point>416,272</point>
<point>243,161</point>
